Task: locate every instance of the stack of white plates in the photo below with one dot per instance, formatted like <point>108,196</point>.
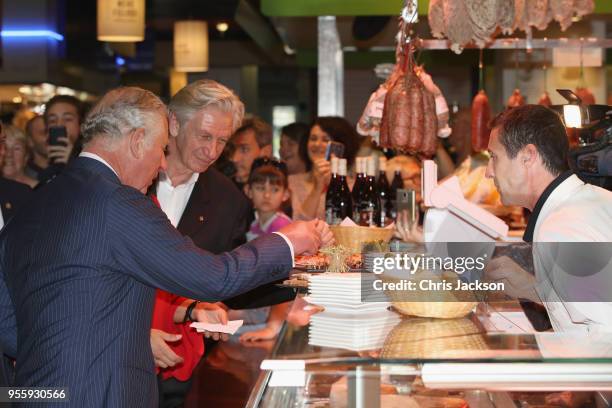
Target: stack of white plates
<point>350,331</point>
<point>346,293</point>
<point>368,260</point>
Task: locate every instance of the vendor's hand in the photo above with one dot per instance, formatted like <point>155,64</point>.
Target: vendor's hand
<point>211,313</point>
<point>304,236</point>
<point>406,230</point>
<point>267,333</point>
<point>60,153</point>
<point>518,283</point>
<point>163,355</point>
<point>321,171</point>
<point>327,237</point>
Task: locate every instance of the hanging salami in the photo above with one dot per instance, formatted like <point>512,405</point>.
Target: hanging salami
<point>516,99</point>
<point>481,116</point>
<point>587,96</point>
<point>545,100</point>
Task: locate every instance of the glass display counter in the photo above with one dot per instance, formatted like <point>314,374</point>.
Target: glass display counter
<point>492,358</point>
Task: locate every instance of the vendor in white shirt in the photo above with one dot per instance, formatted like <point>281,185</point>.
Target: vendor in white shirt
<point>529,165</point>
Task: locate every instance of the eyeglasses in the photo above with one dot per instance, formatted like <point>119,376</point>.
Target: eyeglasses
<point>265,161</point>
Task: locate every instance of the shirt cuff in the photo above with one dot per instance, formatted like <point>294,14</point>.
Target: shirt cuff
<point>290,247</point>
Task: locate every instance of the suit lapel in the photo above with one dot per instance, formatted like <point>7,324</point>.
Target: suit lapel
<point>196,211</point>
<point>7,209</point>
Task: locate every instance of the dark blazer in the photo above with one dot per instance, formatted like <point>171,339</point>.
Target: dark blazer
<point>216,214</point>
<point>216,219</point>
<point>12,196</point>
<point>81,263</point>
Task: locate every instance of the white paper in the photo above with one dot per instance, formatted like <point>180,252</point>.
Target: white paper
<point>507,322</point>
<point>347,222</point>
<point>229,328</point>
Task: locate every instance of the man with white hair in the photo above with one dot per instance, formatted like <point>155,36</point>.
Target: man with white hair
<point>195,195</point>
<point>81,262</point>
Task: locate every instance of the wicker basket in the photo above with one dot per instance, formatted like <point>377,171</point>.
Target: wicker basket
<point>433,338</point>
<point>441,304</point>
<point>354,237</point>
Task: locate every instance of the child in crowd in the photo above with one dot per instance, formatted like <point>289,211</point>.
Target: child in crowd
<point>267,188</point>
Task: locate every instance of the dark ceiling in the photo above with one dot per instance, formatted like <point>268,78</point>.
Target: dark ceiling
<point>83,48</point>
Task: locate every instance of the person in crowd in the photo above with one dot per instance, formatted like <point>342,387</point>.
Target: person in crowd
<point>194,196</point>
<point>267,188</point>
<point>12,196</point>
<point>102,247</point>
<point>252,140</point>
<point>63,111</point>
<point>36,135</point>
<point>291,138</point>
<point>16,157</point>
<point>308,189</point>
<point>410,170</point>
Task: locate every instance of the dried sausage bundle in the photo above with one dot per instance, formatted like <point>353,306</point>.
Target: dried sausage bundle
<point>481,116</point>
<point>371,119</point>
<point>479,21</point>
<point>409,121</point>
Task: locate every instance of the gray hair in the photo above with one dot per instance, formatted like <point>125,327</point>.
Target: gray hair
<point>13,132</point>
<point>203,94</point>
<point>121,111</point>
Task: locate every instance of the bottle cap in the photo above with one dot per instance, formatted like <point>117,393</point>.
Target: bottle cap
<point>371,166</point>
<point>334,165</point>
<point>342,167</point>
<point>359,165</point>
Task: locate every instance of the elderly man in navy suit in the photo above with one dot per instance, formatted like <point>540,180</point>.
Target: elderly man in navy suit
<point>81,261</point>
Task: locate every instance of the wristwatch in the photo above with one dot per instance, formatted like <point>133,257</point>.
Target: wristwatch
<point>188,317</point>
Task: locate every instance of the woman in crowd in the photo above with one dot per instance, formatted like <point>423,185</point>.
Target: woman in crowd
<point>308,189</point>
<point>291,137</point>
<point>16,157</point>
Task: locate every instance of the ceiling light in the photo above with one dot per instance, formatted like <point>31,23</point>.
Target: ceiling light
<point>121,21</point>
<point>222,27</point>
<point>191,46</point>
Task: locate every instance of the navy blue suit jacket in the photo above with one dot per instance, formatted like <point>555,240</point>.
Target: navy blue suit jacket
<point>80,264</point>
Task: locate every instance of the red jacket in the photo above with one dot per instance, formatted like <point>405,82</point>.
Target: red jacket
<point>190,347</point>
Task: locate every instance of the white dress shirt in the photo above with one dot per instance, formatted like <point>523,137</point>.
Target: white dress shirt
<point>1,219</point>
<point>173,199</point>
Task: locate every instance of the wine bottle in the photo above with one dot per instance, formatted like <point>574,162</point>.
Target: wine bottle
<point>332,190</point>
<point>384,192</point>
<point>369,206</point>
<point>396,184</point>
<point>358,186</point>
<point>342,205</point>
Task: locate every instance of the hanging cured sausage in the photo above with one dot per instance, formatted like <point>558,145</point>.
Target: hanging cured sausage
<point>587,96</point>
<point>409,122</point>
<point>545,100</point>
<point>516,99</point>
<point>481,116</point>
